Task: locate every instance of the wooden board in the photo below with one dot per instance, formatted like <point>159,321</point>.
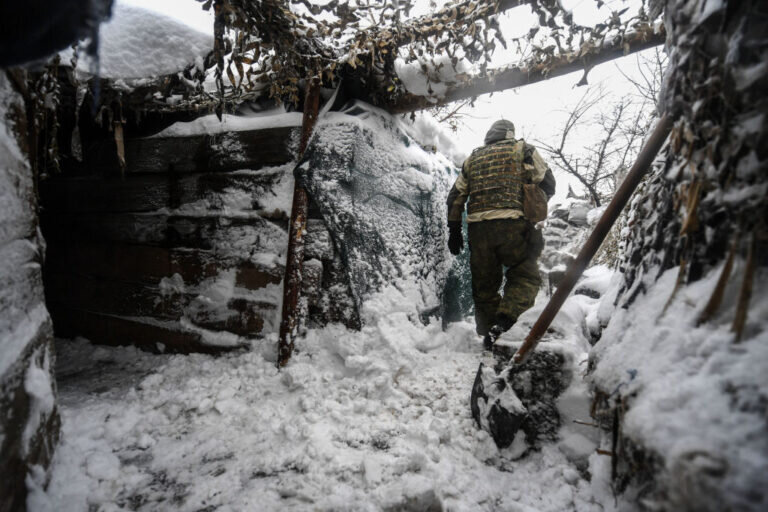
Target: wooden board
<point>113,297</point>
<point>147,192</point>
<point>198,153</point>
<point>194,232</point>
<point>148,264</point>
<point>83,315</point>
<point>115,330</point>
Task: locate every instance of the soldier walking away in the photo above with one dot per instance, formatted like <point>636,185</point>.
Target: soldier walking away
<point>493,177</point>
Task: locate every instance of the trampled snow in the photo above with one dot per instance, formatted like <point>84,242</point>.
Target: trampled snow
<point>372,420</point>
<point>359,420</point>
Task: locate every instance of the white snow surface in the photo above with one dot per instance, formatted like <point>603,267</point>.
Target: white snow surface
<point>139,43</point>
<point>376,419</point>
<point>696,392</point>
<point>210,124</point>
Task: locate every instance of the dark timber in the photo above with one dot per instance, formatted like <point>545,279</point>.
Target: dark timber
<point>297,229</point>
<point>644,160</point>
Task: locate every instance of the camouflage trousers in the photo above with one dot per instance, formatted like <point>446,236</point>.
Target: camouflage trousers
<point>494,245</point>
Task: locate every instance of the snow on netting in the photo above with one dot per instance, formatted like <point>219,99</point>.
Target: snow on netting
<point>382,196</point>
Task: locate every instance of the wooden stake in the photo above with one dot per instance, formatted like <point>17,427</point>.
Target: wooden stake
<point>746,292</point>
<point>678,282</point>
<point>717,294</point>
<point>294,264</point>
<point>117,129</point>
<point>579,422</point>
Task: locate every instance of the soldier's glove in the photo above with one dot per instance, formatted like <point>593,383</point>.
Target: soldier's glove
<point>455,239</point>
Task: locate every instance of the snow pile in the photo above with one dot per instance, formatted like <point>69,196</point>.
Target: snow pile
<point>688,400</point>
<point>24,315</point>
<point>434,136</point>
<point>18,248</point>
<point>41,390</point>
<point>428,79</point>
<point>139,43</point>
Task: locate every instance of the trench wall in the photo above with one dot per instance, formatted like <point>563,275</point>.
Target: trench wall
<point>29,422</point>
<point>183,249</point>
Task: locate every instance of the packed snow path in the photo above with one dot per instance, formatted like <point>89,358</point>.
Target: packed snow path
<point>370,420</point>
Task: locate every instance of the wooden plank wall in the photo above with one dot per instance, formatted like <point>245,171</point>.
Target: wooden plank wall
<point>119,241</point>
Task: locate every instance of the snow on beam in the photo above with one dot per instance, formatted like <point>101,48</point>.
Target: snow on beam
<point>642,38</point>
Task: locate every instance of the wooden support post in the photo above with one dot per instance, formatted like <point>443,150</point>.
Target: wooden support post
<point>294,264</point>
<point>575,269</point>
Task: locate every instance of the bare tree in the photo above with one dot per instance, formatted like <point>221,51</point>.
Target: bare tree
<point>620,129</point>
<point>590,168</point>
<point>453,114</point>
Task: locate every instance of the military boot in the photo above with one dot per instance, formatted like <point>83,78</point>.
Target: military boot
<point>503,324</point>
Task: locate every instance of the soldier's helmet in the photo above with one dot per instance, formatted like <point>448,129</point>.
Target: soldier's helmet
<point>501,129</point>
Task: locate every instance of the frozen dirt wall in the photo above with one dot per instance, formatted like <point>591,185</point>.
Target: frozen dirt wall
<point>679,371</point>
<point>29,423</point>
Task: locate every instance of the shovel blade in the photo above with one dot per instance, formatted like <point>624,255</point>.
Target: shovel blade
<point>478,392</point>
<point>489,402</point>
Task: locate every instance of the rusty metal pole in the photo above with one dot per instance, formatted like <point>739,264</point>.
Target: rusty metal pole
<point>620,199</point>
<point>294,264</point>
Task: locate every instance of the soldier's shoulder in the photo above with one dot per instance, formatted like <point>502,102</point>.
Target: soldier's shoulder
<point>528,148</point>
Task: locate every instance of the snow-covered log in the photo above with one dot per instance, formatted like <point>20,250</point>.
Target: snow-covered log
<point>29,426</point>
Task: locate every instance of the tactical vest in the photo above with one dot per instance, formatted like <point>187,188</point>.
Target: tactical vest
<point>496,175</point>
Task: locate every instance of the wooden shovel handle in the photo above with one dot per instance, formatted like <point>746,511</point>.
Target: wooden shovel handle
<point>612,212</point>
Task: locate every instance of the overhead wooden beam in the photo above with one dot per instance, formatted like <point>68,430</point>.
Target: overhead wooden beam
<point>642,38</point>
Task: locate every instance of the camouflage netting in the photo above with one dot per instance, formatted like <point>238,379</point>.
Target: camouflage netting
<point>704,205</point>
<point>714,180</point>
<point>382,198</point>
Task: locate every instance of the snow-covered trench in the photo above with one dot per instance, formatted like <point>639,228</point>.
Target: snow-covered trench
<point>376,419</point>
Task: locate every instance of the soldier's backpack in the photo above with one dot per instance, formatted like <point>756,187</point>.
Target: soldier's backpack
<point>534,203</point>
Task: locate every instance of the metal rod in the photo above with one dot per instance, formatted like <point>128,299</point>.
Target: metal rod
<point>294,264</point>
<point>612,212</point>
